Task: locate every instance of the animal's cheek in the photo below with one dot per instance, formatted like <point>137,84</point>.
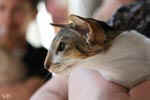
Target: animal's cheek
<point>48,59</point>
<point>74,54</point>
<point>56,59</point>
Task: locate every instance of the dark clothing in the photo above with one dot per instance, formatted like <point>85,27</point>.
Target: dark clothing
<point>133,16</point>
<point>34,60</point>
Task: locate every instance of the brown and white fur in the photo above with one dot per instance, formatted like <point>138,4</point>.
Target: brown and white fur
<point>122,58</point>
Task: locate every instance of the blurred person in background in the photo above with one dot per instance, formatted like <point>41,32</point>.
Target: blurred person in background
<point>15,17</point>
<point>14,83</point>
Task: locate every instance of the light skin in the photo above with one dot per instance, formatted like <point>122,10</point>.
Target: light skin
<point>80,87</point>
<point>58,11</point>
<point>15,16</point>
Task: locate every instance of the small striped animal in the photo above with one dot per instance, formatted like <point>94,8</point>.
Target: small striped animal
<point>121,57</point>
<point>81,38</point>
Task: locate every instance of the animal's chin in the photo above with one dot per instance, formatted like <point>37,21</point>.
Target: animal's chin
<point>60,68</point>
<point>64,67</point>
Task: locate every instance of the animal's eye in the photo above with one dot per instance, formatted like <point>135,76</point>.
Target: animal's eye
<point>61,47</point>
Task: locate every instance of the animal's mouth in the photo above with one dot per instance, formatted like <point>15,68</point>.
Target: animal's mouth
<point>64,66</point>
<point>58,68</point>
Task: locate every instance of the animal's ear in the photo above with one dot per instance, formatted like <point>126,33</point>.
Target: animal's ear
<point>58,25</point>
<point>78,23</point>
<point>92,29</point>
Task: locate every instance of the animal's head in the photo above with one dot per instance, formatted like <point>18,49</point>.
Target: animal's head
<point>81,38</point>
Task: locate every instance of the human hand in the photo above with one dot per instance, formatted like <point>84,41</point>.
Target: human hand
<point>85,84</point>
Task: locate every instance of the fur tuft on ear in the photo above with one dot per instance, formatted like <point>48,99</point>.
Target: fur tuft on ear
<point>58,25</point>
<point>93,30</point>
<point>96,34</point>
<point>79,23</point>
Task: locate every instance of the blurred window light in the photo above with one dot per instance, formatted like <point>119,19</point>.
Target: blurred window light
<point>40,32</point>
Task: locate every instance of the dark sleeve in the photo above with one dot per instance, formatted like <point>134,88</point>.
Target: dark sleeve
<point>135,16</point>
<point>34,60</point>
